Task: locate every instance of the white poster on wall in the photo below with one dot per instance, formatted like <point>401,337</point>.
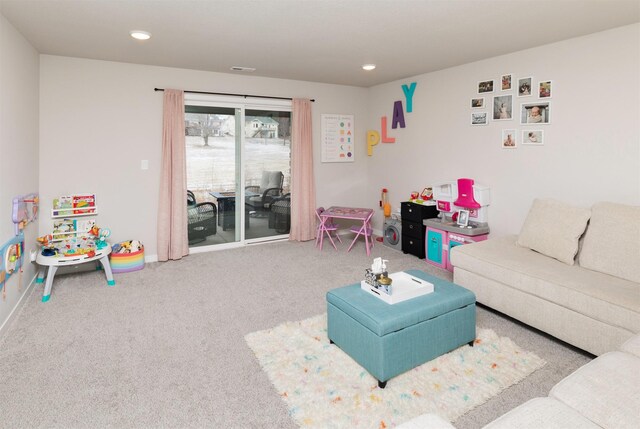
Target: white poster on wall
<point>337,138</point>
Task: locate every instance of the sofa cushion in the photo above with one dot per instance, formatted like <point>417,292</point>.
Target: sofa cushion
<point>553,228</point>
<point>605,391</point>
<point>602,297</point>
<point>426,421</point>
<point>632,345</point>
<point>270,179</point>
<point>612,241</point>
<point>539,413</point>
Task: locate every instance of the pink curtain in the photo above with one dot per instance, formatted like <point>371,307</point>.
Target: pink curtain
<point>172,207</point>
<point>303,189</point>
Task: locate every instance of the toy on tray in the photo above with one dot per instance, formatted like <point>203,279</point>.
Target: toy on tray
<point>100,235</point>
<point>378,276</point>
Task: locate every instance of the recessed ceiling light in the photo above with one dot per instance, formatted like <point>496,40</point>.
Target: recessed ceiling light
<point>140,35</point>
<point>243,69</point>
<point>368,67</point>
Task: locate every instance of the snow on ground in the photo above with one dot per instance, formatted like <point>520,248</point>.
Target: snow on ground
<point>212,168</point>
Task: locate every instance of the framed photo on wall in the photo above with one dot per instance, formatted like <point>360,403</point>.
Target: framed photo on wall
<point>485,86</point>
<point>533,137</point>
<point>479,118</point>
<point>502,107</point>
<point>509,139</point>
<point>535,113</point>
<point>477,103</point>
<point>524,87</point>
<point>544,89</point>
<point>505,81</point>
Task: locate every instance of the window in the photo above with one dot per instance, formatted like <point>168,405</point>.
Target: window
<point>239,152</point>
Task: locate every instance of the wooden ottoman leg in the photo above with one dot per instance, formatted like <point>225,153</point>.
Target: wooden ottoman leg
<point>382,384</point>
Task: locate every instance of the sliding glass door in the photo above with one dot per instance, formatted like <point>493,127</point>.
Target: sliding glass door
<point>238,171</point>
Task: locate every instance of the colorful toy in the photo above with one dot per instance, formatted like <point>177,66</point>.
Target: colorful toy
<point>385,203</point>
<point>127,257</point>
<point>463,207</point>
<point>427,194</point>
<point>25,210</point>
<point>130,246</point>
<point>100,235</point>
<point>11,260</point>
<point>463,194</point>
<point>45,240</point>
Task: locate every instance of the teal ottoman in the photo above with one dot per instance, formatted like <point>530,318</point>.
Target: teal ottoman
<point>388,340</point>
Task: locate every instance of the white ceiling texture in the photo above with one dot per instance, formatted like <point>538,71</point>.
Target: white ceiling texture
<point>312,40</point>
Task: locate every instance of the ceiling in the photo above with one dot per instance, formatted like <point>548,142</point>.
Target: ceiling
<point>311,40</point>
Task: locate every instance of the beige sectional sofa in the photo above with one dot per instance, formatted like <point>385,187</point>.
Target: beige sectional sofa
<point>578,283</point>
<point>605,393</point>
<point>574,273</point>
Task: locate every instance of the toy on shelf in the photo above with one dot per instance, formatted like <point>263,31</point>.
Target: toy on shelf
<point>25,210</point>
<point>427,194</point>
<point>422,197</point>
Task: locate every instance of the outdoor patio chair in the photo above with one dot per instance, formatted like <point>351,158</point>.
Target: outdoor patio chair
<point>202,221</point>
<point>280,214</point>
<point>191,198</point>
<point>270,187</point>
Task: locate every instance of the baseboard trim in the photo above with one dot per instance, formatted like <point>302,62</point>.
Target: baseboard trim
<point>150,258</point>
<point>16,309</point>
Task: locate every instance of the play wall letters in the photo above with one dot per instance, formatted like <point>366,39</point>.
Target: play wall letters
<point>373,137</point>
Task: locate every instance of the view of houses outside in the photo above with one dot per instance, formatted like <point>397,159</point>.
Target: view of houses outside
<point>211,151</point>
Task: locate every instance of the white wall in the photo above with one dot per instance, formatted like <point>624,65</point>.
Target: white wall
<point>18,146</point>
<point>100,119</point>
<point>592,149</point>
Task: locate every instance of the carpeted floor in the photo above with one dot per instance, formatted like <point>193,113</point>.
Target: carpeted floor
<point>165,347</point>
<point>325,389</point>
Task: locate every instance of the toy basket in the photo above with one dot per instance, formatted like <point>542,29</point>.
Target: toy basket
<point>127,262</point>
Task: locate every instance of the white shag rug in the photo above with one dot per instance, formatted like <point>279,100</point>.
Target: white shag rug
<point>324,388</point>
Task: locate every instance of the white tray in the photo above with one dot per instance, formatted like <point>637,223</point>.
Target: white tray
<point>404,287</point>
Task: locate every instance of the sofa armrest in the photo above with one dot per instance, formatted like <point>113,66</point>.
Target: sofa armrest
<point>632,346</point>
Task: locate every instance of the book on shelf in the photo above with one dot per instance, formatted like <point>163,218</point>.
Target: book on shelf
<point>62,205</point>
<point>64,229</point>
<point>84,225</point>
<point>84,204</point>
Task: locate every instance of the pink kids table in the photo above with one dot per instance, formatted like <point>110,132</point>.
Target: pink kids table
<point>353,213</point>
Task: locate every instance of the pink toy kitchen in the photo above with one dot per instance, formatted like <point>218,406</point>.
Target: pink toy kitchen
<point>462,219</point>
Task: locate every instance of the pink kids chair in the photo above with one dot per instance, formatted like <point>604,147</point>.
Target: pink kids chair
<point>329,227</point>
<point>365,230</point>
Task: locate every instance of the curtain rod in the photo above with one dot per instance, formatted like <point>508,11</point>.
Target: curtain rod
<point>235,95</point>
